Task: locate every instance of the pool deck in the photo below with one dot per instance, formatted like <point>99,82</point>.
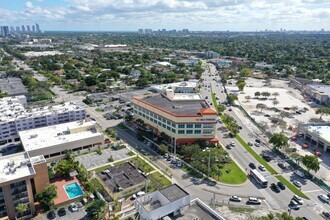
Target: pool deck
<point>62,197</point>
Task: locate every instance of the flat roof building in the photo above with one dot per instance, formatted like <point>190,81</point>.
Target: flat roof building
<point>317,134</point>
<point>53,141</point>
<point>179,87</point>
<point>14,117</point>
<point>123,180</point>
<point>320,93</point>
<point>172,202</point>
<point>13,87</point>
<point>20,178</point>
<point>184,119</point>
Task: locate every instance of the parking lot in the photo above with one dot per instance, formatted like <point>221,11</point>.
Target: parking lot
<point>69,215</point>
<point>95,160</point>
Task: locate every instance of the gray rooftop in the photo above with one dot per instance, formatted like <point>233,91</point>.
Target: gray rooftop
<point>173,192</point>
<point>124,175</point>
<point>12,86</point>
<point>324,89</point>
<point>178,107</point>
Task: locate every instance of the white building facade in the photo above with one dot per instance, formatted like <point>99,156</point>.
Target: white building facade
<point>14,117</point>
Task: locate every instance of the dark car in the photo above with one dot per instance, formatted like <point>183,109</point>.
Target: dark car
<point>257,141</point>
<point>266,158</point>
<point>275,187</point>
<point>281,185</point>
<point>282,165</point>
<point>61,212</point>
<point>51,215</point>
<point>231,135</point>
<point>252,165</point>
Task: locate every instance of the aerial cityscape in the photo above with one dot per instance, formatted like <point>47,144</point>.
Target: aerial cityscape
<point>170,110</point>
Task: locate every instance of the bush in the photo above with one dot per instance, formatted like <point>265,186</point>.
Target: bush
<point>110,159</point>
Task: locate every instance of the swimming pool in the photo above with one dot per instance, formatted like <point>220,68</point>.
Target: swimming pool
<point>73,190</point>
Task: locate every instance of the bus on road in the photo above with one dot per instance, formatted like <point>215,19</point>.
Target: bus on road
<point>259,178</point>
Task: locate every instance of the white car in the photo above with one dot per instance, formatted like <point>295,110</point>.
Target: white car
<point>298,199</point>
<point>324,198</point>
<point>232,144</point>
<point>74,207</point>
<point>262,168</point>
<point>299,173</point>
<point>297,183</point>
<point>235,199</point>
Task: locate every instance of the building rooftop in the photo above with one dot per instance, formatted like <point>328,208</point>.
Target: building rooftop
<point>185,84</point>
<point>322,130</point>
<point>178,107</point>
<point>122,176</point>
<point>12,108</point>
<point>57,134</point>
<point>12,86</point>
<point>15,166</point>
<point>322,89</point>
<point>173,192</point>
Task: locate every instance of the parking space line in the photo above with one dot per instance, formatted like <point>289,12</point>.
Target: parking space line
<point>310,191</point>
<point>267,204</point>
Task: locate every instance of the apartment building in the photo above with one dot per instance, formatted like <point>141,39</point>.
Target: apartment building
<point>20,178</point>
<point>184,117</point>
<point>15,117</point>
<point>53,141</point>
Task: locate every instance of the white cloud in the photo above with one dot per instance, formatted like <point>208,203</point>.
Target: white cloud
<point>192,14</point>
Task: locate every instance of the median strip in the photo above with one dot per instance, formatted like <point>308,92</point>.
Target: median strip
<point>294,189</point>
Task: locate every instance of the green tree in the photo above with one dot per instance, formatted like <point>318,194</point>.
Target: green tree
<point>279,140</point>
<point>294,108</point>
<point>234,128</point>
<point>311,162</point>
<point>261,106</point>
<point>231,98</point>
<point>21,208</point>
<point>64,167</point>
<point>46,197</point>
<point>275,94</point>
<point>247,98</point>
<point>245,72</point>
<point>323,111</point>
<point>162,148</point>
<point>275,102</point>
<point>221,108</point>
<point>265,94</point>
<point>189,151</point>
<point>257,94</point>
<point>241,86</point>
<point>112,132</point>
<point>97,209</point>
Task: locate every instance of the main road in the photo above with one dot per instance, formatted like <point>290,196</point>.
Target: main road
<point>277,201</point>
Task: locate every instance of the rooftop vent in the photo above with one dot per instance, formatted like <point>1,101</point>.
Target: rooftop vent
<point>177,106</point>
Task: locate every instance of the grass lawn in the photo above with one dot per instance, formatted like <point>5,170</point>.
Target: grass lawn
<point>294,189</point>
<point>137,161</point>
<point>122,126</point>
<point>255,155</point>
<point>235,176</point>
<point>131,153</point>
<point>157,181</point>
<point>97,170</point>
<point>240,209</point>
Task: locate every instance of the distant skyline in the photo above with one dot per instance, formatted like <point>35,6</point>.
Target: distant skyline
<point>195,15</point>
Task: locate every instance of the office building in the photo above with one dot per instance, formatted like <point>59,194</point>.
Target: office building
<point>28,29</point>
<point>20,178</point>
<point>317,134</point>
<point>14,117</point>
<point>13,87</point>
<point>23,28</point>
<point>4,31</point>
<point>318,92</point>
<point>33,28</point>
<point>173,202</point>
<point>17,29</point>
<point>12,29</point>
<point>53,141</point>
<point>186,118</point>
<point>179,87</point>
<point>38,28</point>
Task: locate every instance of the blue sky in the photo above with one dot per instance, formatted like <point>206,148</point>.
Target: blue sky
<point>129,15</point>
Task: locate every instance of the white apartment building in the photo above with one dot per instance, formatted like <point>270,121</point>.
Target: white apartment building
<point>14,117</point>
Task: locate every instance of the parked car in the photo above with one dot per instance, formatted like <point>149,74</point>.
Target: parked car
<point>250,143</point>
<point>267,158</point>
<point>298,199</point>
<point>281,185</point>
<point>299,173</point>
<point>231,135</point>
<point>235,199</point>
<point>252,165</point>
<point>257,144</point>
<point>73,207</point>
<point>232,144</point>
<point>275,187</point>
<point>297,183</point>
<point>166,155</point>
<point>254,201</point>
<point>282,165</point>
<point>262,168</point>
<point>326,215</point>
<point>51,215</point>
<point>294,205</point>
<point>179,163</point>
<point>61,212</point>
<point>258,141</point>
<point>324,198</point>
<point>228,146</point>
